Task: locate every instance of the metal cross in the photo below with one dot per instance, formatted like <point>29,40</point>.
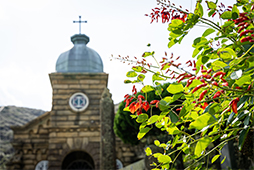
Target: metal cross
<point>79,23</point>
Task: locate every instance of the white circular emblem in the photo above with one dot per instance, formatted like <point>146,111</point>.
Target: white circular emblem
<point>42,165</point>
<point>78,102</point>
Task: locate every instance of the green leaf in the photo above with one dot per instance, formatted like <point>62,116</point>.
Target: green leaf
<point>235,12</point>
<point>246,120</point>
<point>164,159</point>
<point>173,130</point>
<point>142,118</point>
<point>148,151</point>
<point>230,118</point>
<point>175,88</point>
<point>156,155</point>
<point>176,23</point>
<point>152,119</point>
<point>242,137</point>
<point>126,109</point>
<point>208,32</point>
<point>194,83</point>
<point>196,51</point>
<point>163,105</point>
<point>171,42</point>
<point>173,117</point>
<point>217,65</point>
<point>202,121</point>
<point>211,12</point>
<point>199,41</point>
<point>146,54</point>
<point>243,80</point>
<point>226,15</point>
<point>224,40</point>
<point>214,108</point>
<point>147,89</point>
<point>156,76</point>
<point>211,5</point>
<point>143,132</point>
<point>157,143</point>
<point>137,68</point>
<point>227,53</point>
<point>223,159</point>
<point>133,116</point>
<point>202,145</point>
<point>158,89</point>
<point>199,10</point>
<point>127,81</point>
<point>141,77</point>
<point>131,74</point>
<point>186,108</point>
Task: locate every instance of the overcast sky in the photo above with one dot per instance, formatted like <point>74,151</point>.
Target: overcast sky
<point>35,32</point>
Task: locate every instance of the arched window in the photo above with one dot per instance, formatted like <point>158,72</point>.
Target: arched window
<point>78,160</point>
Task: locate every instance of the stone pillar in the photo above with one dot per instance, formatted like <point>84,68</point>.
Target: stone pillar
<point>108,156</point>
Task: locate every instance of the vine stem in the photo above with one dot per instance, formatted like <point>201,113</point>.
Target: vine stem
<point>210,152</point>
<point>247,51</point>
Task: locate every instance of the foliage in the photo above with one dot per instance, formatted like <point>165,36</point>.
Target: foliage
<point>127,127</point>
<point>219,93</point>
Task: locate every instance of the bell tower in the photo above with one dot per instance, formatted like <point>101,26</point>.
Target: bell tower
<point>75,120</point>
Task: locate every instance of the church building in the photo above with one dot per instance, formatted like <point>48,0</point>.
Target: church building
<point>78,132</point>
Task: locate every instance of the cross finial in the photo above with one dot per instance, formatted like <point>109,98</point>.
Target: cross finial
<point>79,23</point>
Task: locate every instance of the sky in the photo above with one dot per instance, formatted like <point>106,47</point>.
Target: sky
<point>35,32</point>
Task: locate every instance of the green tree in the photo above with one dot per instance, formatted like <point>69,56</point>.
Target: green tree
<point>219,93</point>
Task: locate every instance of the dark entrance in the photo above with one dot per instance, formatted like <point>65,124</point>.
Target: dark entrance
<point>78,160</point>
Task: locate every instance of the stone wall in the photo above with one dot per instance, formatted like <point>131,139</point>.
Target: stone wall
<point>70,130</point>
<point>127,153</point>
<point>30,143</point>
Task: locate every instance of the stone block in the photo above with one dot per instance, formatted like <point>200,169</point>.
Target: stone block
<point>84,86</point>
<point>28,161</point>
<point>57,140</point>
<point>65,123</point>
<point>59,117</point>
<point>74,86</point>
<point>52,158</point>
<point>29,167</point>
<point>130,154</point>
<point>89,134</point>
<point>95,139</point>
<point>29,157</point>
<point>95,117</point>
<point>60,107</point>
<point>72,117</point>
<point>67,134</point>
<point>90,81</point>
<point>62,102</point>
<point>67,81</point>
<point>54,152</point>
<point>60,86</point>
<point>94,91</point>
<point>63,112</point>
<point>97,86</point>
<point>61,96</point>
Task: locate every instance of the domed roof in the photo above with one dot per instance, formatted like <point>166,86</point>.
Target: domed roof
<point>80,58</point>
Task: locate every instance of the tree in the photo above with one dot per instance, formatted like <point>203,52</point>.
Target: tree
<point>218,96</point>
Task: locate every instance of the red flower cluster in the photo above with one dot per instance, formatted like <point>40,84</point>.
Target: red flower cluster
<point>139,104</point>
<point>166,14</point>
<point>233,104</point>
<point>245,31</point>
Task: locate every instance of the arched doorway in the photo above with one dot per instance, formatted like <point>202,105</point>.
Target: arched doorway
<point>78,160</point>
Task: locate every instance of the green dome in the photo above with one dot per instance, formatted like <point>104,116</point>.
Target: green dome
<point>80,58</point>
